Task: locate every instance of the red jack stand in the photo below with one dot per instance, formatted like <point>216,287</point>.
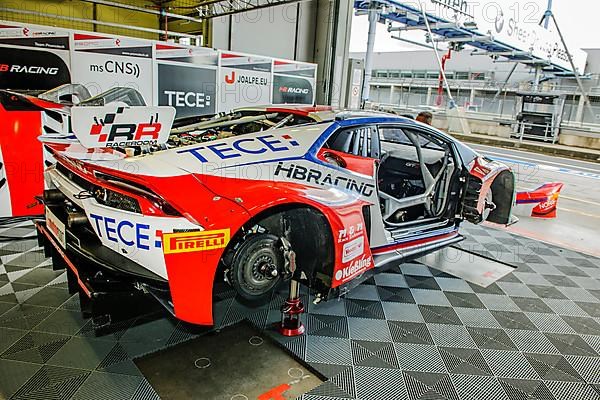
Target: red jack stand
<point>291,311</point>
<point>293,307</point>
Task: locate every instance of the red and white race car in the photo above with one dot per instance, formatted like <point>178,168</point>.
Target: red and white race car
<point>349,196</point>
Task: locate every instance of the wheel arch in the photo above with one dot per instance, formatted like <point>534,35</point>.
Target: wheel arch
<point>503,195</point>
<point>311,237</point>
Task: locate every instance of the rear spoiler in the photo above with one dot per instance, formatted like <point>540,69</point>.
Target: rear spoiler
<point>544,199</point>
<point>118,125</point>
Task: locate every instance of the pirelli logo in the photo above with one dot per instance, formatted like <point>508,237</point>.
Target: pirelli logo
<point>188,242</point>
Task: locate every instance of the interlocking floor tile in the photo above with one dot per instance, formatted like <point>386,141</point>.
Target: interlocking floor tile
<point>513,320</point>
<point>491,338</point>
<point>395,294</point>
<point>377,383</point>
<point>369,329</point>
<point>553,367</point>
<point>509,364</point>
<point>533,389</point>
<point>569,344</point>
<point>367,353</point>
<point>402,312</point>
<point>429,386</point>
<point>411,332</point>
<point>476,387</point>
<point>419,357</point>
<point>464,361</point>
<point>52,382</point>
<point>467,300</point>
<point>451,335</point>
<point>439,315</point>
<point>531,341</point>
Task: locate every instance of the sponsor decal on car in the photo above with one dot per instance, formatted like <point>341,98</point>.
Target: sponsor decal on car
<point>113,126</point>
<point>355,268</point>
<point>317,177</point>
<point>353,249</point>
<point>125,232</point>
<point>237,148</point>
<point>349,233</point>
<point>188,242</point>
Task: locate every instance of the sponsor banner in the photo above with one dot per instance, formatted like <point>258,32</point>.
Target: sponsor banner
<point>186,54</point>
<point>104,62</point>
<point>33,57</point>
<point>188,242</point>
<point>190,89</point>
<point>116,126</point>
<point>28,69</point>
<point>34,36</point>
<point>293,83</point>
<point>244,80</point>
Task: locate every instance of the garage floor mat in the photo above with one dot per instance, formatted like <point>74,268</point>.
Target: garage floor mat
<point>236,363</point>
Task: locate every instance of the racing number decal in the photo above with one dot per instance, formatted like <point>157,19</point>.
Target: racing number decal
<point>188,242</point>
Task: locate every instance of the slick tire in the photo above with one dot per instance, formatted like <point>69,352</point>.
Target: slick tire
<point>250,277</point>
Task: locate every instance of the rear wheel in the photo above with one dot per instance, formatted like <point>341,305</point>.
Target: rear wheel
<point>257,268</point>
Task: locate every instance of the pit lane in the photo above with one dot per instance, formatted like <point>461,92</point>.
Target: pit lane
<point>578,208</point>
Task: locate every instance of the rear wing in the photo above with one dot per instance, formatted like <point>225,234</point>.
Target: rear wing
<point>118,125</point>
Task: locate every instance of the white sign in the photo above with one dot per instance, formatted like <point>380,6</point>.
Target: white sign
<point>114,125</point>
<point>103,62</point>
<point>244,80</point>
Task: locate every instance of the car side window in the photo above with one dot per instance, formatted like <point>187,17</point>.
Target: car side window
<point>393,135</point>
<point>356,141</point>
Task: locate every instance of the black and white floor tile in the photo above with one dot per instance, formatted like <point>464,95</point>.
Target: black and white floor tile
<point>411,333</point>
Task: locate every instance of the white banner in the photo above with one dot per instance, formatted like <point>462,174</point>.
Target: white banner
<point>102,62</point>
<point>244,81</point>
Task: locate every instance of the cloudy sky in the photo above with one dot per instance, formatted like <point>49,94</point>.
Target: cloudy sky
<point>578,21</point>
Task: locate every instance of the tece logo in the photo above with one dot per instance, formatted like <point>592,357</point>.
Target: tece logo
<point>129,132</point>
<point>187,99</point>
<point>296,90</point>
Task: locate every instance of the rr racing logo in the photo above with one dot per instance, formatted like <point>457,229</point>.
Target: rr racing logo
<point>125,134</point>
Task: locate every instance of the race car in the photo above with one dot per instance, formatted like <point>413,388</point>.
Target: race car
<point>26,119</point>
<point>328,204</point>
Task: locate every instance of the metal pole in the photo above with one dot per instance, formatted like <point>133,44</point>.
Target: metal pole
<point>536,79</point>
<point>501,88</point>
<point>577,78</point>
<point>93,21</point>
<point>451,101</point>
<point>369,54</point>
<point>144,10</point>
<point>546,19</point>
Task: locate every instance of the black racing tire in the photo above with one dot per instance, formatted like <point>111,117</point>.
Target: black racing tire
<point>253,287</point>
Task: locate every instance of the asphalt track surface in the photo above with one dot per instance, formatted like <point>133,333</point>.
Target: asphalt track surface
<point>577,225</point>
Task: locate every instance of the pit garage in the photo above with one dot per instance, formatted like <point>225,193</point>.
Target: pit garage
<point>190,211</point>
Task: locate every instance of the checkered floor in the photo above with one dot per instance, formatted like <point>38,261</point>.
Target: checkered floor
<point>412,333</point>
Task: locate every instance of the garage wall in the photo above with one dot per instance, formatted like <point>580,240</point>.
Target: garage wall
<point>80,9</point>
<point>285,31</point>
